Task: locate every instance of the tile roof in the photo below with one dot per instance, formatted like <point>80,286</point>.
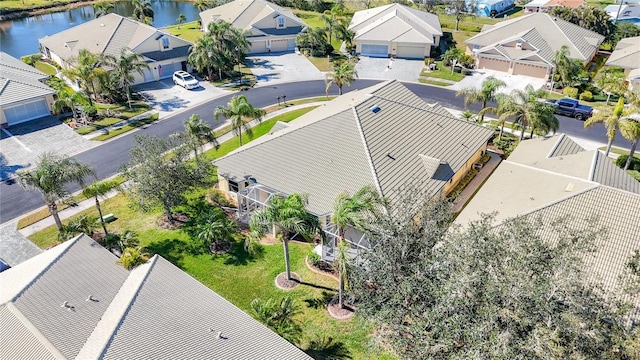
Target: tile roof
<point>395,22</point>
<point>19,81</point>
<point>546,33</point>
<point>244,14</point>
<point>154,311</point>
<point>565,146</point>
<point>626,54</point>
<point>380,136</point>
<point>105,35</point>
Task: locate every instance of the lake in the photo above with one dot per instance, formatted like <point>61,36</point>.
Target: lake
<point>20,37</point>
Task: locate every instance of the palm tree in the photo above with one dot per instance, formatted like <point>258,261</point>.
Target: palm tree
<point>86,70</point>
<point>216,230</point>
<point>344,33</point>
<point>201,54</point>
<point>50,176</point>
<point>69,100</point>
<point>630,129</point>
<point>123,67</point>
<point>566,68</point>
<point>133,257</point>
<point>83,224</point>
<point>198,133</point>
<point>487,92</point>
<point>611,80</point>
<point>203,5</point>
<point>289,215</point>
<point>181,18</point>
<point>238,109</point>
<point>353,211</point>
<point>524,106</point>
<point>142,11</point>
<point>544,119</point>
<point>342,263</point>
<point>98,189</point>
<point>611,119</point>
<point>330,18</point>
<point>102,8</point>
<point>343,74</point>
<point>468,115</point>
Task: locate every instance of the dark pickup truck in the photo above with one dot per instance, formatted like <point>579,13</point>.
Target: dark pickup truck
<point>571,108</point>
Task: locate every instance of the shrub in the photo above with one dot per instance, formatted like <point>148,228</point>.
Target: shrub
<point>427,61</point>
<point>314,258</point>
<point>634,174</point>
<point>622,160</point>
<point>217,197</point>
<point>89,111</point>
<point>586,96</point>
<point>570,92</point>
<point>465,71</point>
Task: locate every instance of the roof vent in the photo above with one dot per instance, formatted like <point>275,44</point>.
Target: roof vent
<point>375,109</point>
<point>219,335</point>
<point>519,44</point>
<point>569,187</point>
<point>158,37</point>
<point>390,156</point>
<point>65,304</point>
<point>90,298</point>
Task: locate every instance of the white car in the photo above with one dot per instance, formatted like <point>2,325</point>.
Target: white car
<point>185,80</point>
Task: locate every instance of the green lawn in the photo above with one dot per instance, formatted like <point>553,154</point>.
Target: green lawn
<point>619,151</point>
<point>189,31</point>
<point>431,82</point>
<point>30,4</point>
<point>459,37</point>
<point>311,18</point>
<point>443,72</point>
<point>46,68</point>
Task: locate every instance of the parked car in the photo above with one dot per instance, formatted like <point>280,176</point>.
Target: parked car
<point>185,80</point>
<point>572,108</point>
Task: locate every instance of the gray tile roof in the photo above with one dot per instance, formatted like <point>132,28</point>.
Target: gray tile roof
<point>395,22</point>
<point>335,152</point>
<point>626,54</point>
<point>19,81</point>
<point>607,173</point>
<point>105,35</point>
<point>546,33</point>
<point>176,52</point>
<point>154,311</point>
<point>565,146</point>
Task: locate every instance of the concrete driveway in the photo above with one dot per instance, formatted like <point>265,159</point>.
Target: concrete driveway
<point>513,81</point>
<point>20,145</point>
<point>281,68</point>
<point>387,69</point>
<point>168,98</point>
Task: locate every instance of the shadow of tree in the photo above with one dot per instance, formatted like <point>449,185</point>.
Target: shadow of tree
<point>321,301</point>
<point>328,349</point>
<point>8,171</point>
<point>238,256</point>
<point>170,249</point>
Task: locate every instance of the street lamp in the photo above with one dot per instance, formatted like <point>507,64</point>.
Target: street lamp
<point>239,65</point>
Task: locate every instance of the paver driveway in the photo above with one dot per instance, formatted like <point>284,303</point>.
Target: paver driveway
<point>387,69</point>
<point>476,78</point>
<point>282,68</point>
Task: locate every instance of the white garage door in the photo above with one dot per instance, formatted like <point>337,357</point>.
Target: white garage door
<point>258,47</point>
<point>25,112</point>
<point>279,45</point>
<point>530,70</point>
<point>291,44</point>
<point>411,52</point>
<point>374,50</point>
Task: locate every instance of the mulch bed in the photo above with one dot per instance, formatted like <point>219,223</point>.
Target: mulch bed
<point>322,268</point>
<point>283,283</point>
<point>340,313</point>
<point>220,247</point>
<point>179,219</point>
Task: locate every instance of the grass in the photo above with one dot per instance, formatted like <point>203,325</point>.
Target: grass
<point>311,18</point>
<point>128,127</point>
<point>273,108</point>
<point>443,73</point>
<point>619,151</point>
<point>459,37</point>
<point>46,68</point>
<point>7,5</point>
<point>189,31</point>
<point>121,112</point>
<point>325,63</point>
<point>431,82</point>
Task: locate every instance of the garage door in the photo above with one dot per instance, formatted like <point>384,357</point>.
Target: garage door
<point>25,112</point>
<point>166,71</point>
<point>411,52</point>
<point>374,50</point>
<point>279,45</point>
<point>258,47</point>
<point>493,64</point>
<point>530,70</point>
<point>291,44</point>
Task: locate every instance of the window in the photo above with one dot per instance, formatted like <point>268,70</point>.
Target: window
<point>165,42</point>
<point>476,47</point>
<point>233,186</point>
<point>280,22</point>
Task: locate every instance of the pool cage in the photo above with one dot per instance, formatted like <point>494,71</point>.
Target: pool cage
<point>356,240</point>
<point>254,198</point>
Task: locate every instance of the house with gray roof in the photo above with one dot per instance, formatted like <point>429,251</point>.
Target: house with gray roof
<point>548,178</point>
<point>526,45</point>
<point>74,302</point>
<point>270,28</point>
<point>23,94</point>
<point>109,34</point>
<point>627,56</point>
<point>395,30</point>
<point>383,136</point>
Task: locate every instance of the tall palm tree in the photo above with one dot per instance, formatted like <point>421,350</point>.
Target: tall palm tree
<point>289,215</point>
<point>96,190</point>
<point>611,119</point>
<point>181,18</point>
<point>330,19</point>
<point>344,33</point>
<point>237,110</point>
<point>203,5</point>
<point>487,92</point>
<point>124,65</point>
<point>50,177</point>
<point>142,11</point>
<point>343,74</point>
<point>102,8</point>
<point>611,80</point>
<point>630,130</point>
<point>524,107</point>
<point>352,211</point>
<point>566,68</point>
<point>85,71</point>
<point>201,55</point>
<point>198,133</point>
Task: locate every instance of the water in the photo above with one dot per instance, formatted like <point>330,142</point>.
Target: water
<point>20,37</point>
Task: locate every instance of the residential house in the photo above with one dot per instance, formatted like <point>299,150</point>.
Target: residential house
<point>527,45</point>
<point>490,8</point>
<point>270,28</point>
<point>548,178</point>
<point>74,302</point>
<point>109,34</point>
<point>624,13</point>
<point>395,30</point>
<point>544,5</point>
<point>627,56</point>
<point>384,136</point>
<point>23,94</point>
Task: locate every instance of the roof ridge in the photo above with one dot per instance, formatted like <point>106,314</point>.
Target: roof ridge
<point>555,23</point>
<point>367,151</point>
<point>110,38</point>
<point>35,83</point>
<point>594,164</point>
<point>27,68</point>
<point>34,331</point>
<point>564,198</point>
<point>550,171</point>
<point>251,2</point>
<point>104,331</point>
<point>374,24</point>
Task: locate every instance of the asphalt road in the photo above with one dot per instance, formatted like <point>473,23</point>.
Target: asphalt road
<point>107,158</point>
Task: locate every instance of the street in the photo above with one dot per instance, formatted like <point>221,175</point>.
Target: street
<point>107,158</point>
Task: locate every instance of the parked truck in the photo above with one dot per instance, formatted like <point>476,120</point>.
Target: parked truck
<point>572,108</point>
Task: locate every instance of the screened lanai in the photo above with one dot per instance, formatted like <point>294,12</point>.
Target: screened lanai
<point>254,198</point>
<point>356,239</point>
